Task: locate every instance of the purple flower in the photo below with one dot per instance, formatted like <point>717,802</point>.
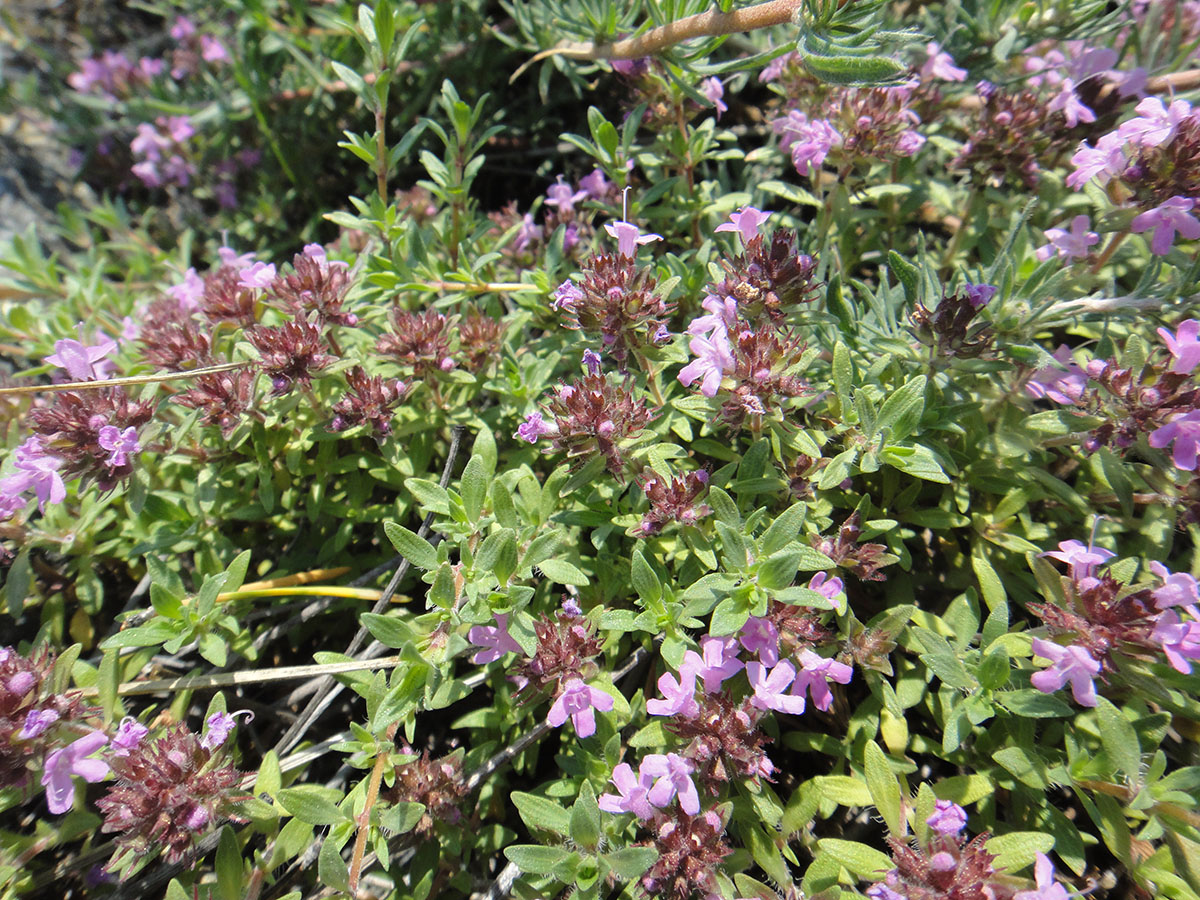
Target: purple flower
<point>68,761</point>
<point>563,197</point>
<point>595,185</point>
<point>577,701</point>
<point>674,774</point>
<point>1178,589</point>
<point>1156,124</point>
<point>528,234</point>
<point>234,260</point>
<point>631,68</point>
<point>679,694</point>
<point>1184,345</point>
<point>1068,102</point>
<point>591,360</point>
<point>495,639</point>
<point>940,64</point>
<point>629,237</point>
<point>881,891</point>
<point>1053,383</point>
<point>80,359</point>
<point>129,735</point>
<point>1074,664</point>
<point>979,295</point>
<point>182,29</point>
<point>722,313</point>
<point>1184,432</point>
<point>36,469</point>
<point>212,50</point>
<point>809,143</point>
<point>829,588</point>
<point>257,276</point>
<point>719,656</point>
<point>632,793</point>
<point>746,221</point>
<point>714,91</point>
<point>219,726</point>
<point>1047,887</point>
<point>533,428</point>
<point>948,818</point>
<point>714,357</point>
<point>120,444</point>
<point>566,295</point>
<point>908,143</point>
<point>759,635</point>
<point>1180,640</point>
<point>1082,560</point>
<point>815,673</point>
<point>770,688</point>
<point>1103,161</point>
<point>1167,219</point>
<point>37,721</point>
<point>1071,244</point>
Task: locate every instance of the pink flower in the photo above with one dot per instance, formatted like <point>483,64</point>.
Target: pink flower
<point>759,635</point>
<point>257,276</point>
<point>563,197</point>
<point>714,357</point>
<point>948,817</point>
<point>1167,219</point>
<point>1071,244</point>
<point>1068,102</point>
<point>182,29</point>
<point>1178,588</point>
<point>770,688</point>
<point>68,761</point>
<point>1074,664</point>
<point>36,722</point>
<point>720,661</point>
<point>1081,560</point>
<point>674,774</point>
<point>188,292</point>
<point>80,359</point>
<point>532,429</point>
<point>36,469</point>
<point>1047,887</point>
<point>129,735</point>
<point>909,143</point>
<point>219,726</point>
<point>1102,162</point>
<point>829,588</point>
<point>940,64</point>
<point>1065,387</point>
<point>495,640</point>
<point>632,791</point>
<point>1180,640</point>
<point>212,50</point>
<point>566,295</point>
<point>234,260</point>
<point>120,444</point>
<point>1184,432</point>
<point>807,142</point>
<point>815,674</point>
<point>746,221</point>
<point>595,185</point>
<point>577,701</point>
<point>722,313</point>
<point>1156,124</point>
<point>679,694</point>
<point>629,237</point>
<point>1184,345</point>
<point>712,89</point>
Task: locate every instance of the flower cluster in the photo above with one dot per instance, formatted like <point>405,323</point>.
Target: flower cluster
<point>161,151</point>
<point>951,329</point>
<point>676,500</point>
<point>437,784</point>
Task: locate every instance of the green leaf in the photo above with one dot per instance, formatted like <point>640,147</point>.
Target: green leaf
<point>645,581</point>
<point>852,69</point>
<point>562,572</point>
<point>902,410</point>
<point>331,868</point>
<point>941,659</point>
<point>1119,738</point>
<point>429,494</point>
<point>844,790</point>
<point>917,461</point>
<point>391,631</point>
<point>312,804</point>
<point>631,862</point>
<point>1033,704</point>
<point>540,813</point>
<point>585,819</point>
<point>229,866</point>
<point>412,547</point>
<point>963,789</point>
<point>906,273</point>
<point>885,788</point>
<point>474,488</point>
<point>1018,849</point>
<point>535,859</point>
<point>858,859</point>
<point>779,570</point>
<point>403,817</point>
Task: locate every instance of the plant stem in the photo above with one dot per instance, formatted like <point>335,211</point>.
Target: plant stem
<point>1108,251</point>
<point>364,818</point>
<point>381,154</point>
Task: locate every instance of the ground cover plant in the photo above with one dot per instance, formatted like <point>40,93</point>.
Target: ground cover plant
<point>578,448</point>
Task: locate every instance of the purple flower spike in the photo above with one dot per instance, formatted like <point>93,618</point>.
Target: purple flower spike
<point>1047,887</point>
<point>80,359</point>
<point>1178,589</point>
<point>577,701</point>
<point>68,761</point>
<point>129,735</point>
<point>979,295</point>
<point>1184,345</point>
<point>1184,432</point>
<point>759,635</point>
<point>495,639</point>
<point>1071,244</point>
<point>629,237</point>
<point>770,688</point>
<point>815,674</point>
<point>1180,640</point>
<point>674,774</point>
<point>1065,387</point>
<point>948,818</point>
<point>720,661</point>
<point>632,793</point>
<point>37,721</point>
<point>1074,664</point>
<point>746,221</point>
<point>679,694</point>
<point>1167,219</point>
